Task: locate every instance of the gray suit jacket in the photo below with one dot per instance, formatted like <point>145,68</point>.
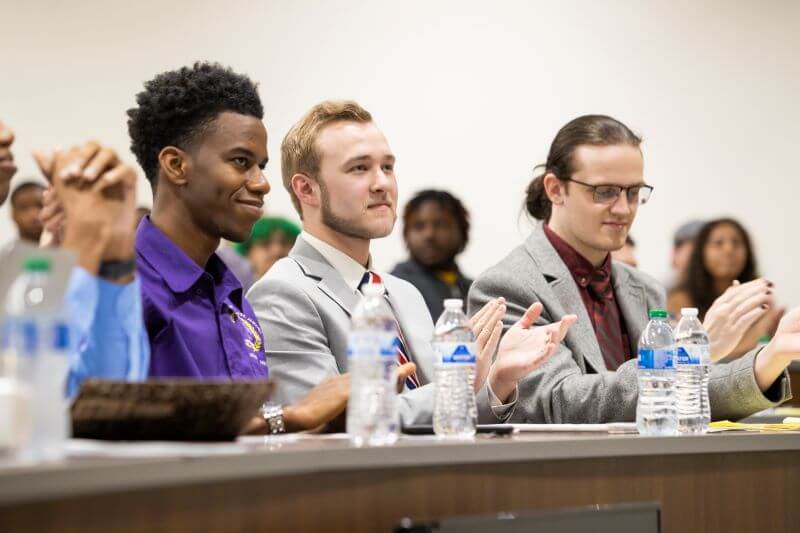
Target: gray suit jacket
<point>303,305</point>
<point>575,386</point>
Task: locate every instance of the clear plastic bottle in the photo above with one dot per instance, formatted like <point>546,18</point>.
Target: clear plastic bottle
<point>655,410</point>
<point>693,360</point>
<point>37,353</point>
<point>372,411</point>
<point>454,409</point>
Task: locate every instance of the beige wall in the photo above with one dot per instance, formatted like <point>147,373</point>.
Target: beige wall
<point>470,95</point>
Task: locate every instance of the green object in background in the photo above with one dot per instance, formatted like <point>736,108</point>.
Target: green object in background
<point>266,227</point>
<point>37,264</point>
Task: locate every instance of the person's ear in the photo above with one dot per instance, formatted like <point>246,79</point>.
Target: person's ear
<point>554,188</point>
<point>306,190</point>
<point>174,165</point>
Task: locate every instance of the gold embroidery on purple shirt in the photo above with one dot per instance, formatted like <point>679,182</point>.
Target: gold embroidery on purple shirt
<point>253,329</point>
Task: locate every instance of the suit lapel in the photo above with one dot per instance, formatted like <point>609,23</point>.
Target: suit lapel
<point>581,336</point>
<point>330,281</point>
<point>631,299</point>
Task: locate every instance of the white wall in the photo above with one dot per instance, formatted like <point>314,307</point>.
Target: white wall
<point>470,94</point>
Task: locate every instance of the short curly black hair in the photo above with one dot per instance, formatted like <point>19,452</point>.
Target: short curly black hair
<point>176,107</point>
<point>446,201</point>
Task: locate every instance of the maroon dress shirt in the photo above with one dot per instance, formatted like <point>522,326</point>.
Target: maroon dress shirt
<point>597,292</point>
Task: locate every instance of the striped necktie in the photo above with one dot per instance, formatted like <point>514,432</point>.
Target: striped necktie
<point>412,382</point>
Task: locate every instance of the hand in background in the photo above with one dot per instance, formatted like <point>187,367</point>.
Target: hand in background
<point>7,166</point>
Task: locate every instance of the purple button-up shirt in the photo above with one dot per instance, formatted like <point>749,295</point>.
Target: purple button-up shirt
<point>199,323</point>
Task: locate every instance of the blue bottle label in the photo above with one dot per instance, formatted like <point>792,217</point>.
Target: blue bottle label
<point>456,352</point>
<point>661,359</point>
<point>382,343</point>
<point>693,355</point>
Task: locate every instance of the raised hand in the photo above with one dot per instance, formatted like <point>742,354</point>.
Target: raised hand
<point>734,312</point>
<point>487,326</point>
<point>781,350</point>
<point>93,199</point>
<point>525,348</point>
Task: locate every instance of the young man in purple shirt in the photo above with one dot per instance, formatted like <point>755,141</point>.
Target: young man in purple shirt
<point>198,134</point>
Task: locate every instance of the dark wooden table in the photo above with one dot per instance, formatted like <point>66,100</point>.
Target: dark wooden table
<point>711,483</point>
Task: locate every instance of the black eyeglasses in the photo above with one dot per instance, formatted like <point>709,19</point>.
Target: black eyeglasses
<point>608,194</point>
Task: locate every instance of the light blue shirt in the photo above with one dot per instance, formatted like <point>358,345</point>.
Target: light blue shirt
<point>107,321</point>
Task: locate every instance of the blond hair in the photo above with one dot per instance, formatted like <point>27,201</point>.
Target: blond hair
<point>299,153</point>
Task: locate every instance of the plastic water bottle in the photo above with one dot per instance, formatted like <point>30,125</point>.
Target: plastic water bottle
<point>693,360</point>
<point>655,411</point>
<point>454,411</point>
<point>372,411</point>
<point>37,352</point>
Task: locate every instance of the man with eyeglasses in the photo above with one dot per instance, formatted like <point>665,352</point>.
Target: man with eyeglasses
<point>585,200</point>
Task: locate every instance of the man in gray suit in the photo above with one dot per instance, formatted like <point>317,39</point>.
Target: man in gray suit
<point>339,170</point>
<point>586,200</point>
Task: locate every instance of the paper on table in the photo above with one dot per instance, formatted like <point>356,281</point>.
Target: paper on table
<point>614,427</point>
<point>150,449</point>
<point>788,424</point>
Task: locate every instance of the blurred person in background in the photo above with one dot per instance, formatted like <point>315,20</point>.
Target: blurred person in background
<point>682,246</point>
<point>272,238</point>
<point>722,256</point>
<point>626,254</point>
<point>435,230</point>
<point>27,200</point>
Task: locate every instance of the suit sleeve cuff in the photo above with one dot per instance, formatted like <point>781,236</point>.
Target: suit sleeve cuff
<point>497,410</point>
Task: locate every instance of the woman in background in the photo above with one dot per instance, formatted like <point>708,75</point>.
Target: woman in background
<point>722,256</point>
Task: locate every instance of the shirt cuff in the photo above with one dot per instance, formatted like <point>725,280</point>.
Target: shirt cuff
<point>120,302</point>
<point>80,301</point>
<point>120,309</point>
<point>499,408</point>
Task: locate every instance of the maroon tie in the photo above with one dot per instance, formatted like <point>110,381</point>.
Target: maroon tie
<point>608,327</point>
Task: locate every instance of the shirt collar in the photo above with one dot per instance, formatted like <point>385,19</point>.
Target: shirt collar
<point>178,270</point>
<point>580,267</point>
<point>350,269</point>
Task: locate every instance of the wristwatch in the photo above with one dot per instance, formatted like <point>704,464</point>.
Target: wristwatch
<point>273,415</point>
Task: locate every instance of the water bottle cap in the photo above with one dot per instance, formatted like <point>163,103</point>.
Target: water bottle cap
<point>453,303</point>
<point>658,313</point>
<point>373,289</point>
<point>688,311</point>
<point>37,264</point>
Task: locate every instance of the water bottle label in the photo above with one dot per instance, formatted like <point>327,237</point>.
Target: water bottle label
<point>656,359</point>
<point>372,344</point>
<point>61,336</point>
<point>29,337</point>
<point>693,355</point>
<point>456,352</point>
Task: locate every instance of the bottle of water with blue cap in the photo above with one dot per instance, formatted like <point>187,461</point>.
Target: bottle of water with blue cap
<point>693,363</point>
<point>372,410</point>
<point>454,411</point>
<point>655,410</point>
